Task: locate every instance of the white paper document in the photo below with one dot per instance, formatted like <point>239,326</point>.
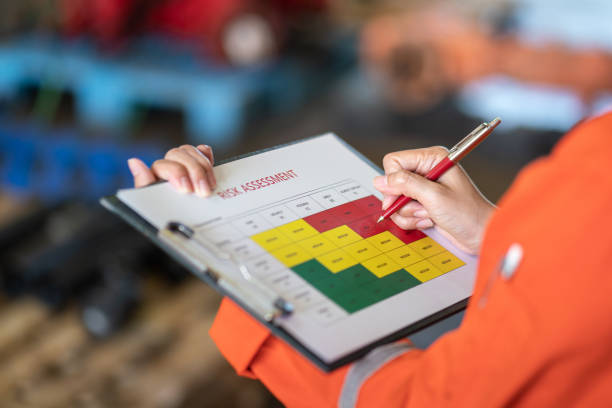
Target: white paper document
<point>302,218</point>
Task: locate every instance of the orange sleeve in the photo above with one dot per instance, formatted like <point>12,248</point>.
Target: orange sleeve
<point>254,352</point>
<point>517,344</point>
<point>296,382</point>
<point>437,376</point>
<point>238,336</point>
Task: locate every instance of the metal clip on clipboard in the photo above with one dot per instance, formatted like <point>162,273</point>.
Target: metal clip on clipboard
<point>260,298</point>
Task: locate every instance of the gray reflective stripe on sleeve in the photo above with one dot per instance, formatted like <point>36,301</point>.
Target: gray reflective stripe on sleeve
<point>364,368</point>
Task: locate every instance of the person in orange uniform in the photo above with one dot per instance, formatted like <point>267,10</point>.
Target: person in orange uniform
<point>537,331</point>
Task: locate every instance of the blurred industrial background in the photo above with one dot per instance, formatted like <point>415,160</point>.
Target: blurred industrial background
<point>91,314</point>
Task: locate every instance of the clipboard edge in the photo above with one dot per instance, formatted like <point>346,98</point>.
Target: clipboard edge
<point>116,206</point>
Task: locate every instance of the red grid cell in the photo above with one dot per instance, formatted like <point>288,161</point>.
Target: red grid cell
<point>346,213</point>
<point>369,205</point>
<point>334,217</point>
<point>367,226</point>
<point>323,221</point>
<point>361,216</point>
<point>407,236</point>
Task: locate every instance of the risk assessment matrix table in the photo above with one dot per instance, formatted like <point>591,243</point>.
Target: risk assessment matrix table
<point>325,253</point>
<point>302,219</point>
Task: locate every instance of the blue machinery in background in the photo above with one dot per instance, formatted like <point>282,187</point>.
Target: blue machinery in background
<point>215,100</point>
<point>58,165</point>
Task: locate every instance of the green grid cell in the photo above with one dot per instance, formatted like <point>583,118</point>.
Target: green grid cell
<point>312,271</point>
<point>391,284</point>
<point>356,287</point>
<point>402,279</point>
<point>356,275</point>
<point>355,300</point>
<point>333,288</point>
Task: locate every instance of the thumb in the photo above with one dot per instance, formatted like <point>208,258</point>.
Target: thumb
<point>404,182</point>
<point>143,176</point>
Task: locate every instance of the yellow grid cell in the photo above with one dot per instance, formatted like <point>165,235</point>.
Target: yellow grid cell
<point>317,245</point>
<point>271,239</point>
<point>292,255</point>
<point>337,260</point>
<point>342,235</point>
<point>381,265</point>
<point>424,271</point>
<point>426,247</point>
<point>404,256</point>
<point>361,250</point>
<point>446,261</point>
<point>298,230</point>
<point>385,241</point>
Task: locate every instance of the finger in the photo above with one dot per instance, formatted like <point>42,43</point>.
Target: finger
<point>409,184</point>
<point>197,173</point>
<point>410,210</point>
<point>211,180</point>
<point>406,223</point>
<point>424,223</point>
<point>143,176</point>
<point>391,163</point>
<point>174,172</point>
<point>388,199</point>
<point>210,183</point>
<point>417,160</point>
<point>421,214</point>
<point>207,151</point>
<point>410,223</point>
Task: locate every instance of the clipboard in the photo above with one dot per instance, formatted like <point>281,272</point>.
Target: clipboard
<point>202,271</point>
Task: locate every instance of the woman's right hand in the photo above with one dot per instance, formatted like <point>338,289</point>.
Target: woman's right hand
<point>188,168</point>
<point>453,204</point>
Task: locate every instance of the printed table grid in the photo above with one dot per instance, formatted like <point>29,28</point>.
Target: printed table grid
<point>330,241</point>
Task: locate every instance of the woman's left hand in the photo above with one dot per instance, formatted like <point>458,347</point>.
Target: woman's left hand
<point>188,168</point>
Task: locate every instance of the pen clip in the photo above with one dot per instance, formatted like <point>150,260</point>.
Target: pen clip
<point>466,141</point>
<point>274,305</point>
<point>473,139</point>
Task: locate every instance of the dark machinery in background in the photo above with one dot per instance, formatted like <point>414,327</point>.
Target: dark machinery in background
<point>76,253</point>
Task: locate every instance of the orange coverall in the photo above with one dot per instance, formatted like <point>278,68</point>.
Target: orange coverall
<point>540,336</point>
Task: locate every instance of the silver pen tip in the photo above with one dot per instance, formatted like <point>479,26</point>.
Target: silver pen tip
<point>495,122</point>
<point>380,219</point>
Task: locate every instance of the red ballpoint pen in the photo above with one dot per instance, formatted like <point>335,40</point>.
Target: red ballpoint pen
<point>458,152</point>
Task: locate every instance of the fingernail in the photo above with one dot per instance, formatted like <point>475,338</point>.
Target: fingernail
<point>380,181</point>
<point>174,183</point>
<point>424,224</point>
<point>420,213</point>
<point>185,185</point>
<point>133,166</point>
<point>387,202</point>
<point>202,189</point>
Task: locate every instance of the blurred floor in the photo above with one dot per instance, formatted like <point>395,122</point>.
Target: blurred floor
<point>163,358</point>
